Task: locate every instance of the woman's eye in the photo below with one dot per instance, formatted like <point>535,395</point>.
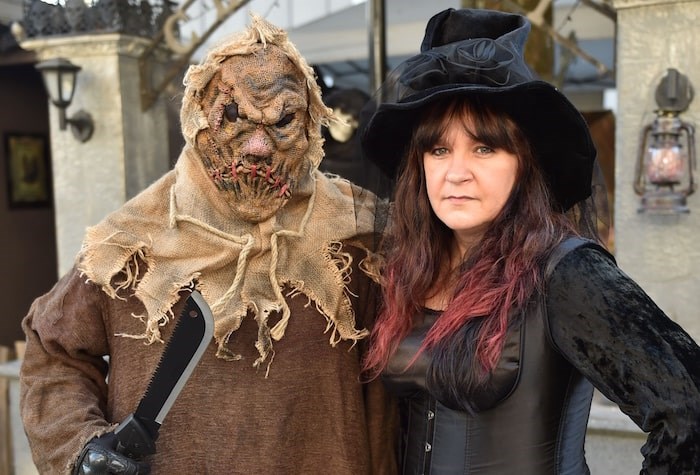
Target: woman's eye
<point>285,120</point>
<point>231,112</point>
<point>439,151</point>
<point>483,150</point>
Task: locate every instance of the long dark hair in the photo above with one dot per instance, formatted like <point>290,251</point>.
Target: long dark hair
<point>500,273</point>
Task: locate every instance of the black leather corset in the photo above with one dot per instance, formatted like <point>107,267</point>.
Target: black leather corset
<point>531,418</point>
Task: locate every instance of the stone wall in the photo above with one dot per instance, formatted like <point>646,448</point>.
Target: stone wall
<point>129,147</point>
<point>659,252</point>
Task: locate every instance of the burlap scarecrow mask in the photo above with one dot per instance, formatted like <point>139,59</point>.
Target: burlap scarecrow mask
<point>254,111</point>
<point>245,216</point>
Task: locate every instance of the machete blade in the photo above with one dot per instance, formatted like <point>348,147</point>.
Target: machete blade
<point>188,342</point>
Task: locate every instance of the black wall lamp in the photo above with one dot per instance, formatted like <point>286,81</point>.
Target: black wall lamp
<point>60,78</point>
<point>666,162</point>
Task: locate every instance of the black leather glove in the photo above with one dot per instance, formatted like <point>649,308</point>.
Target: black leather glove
<point>100,457</point>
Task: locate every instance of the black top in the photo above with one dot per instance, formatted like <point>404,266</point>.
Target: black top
<point>599,326</point>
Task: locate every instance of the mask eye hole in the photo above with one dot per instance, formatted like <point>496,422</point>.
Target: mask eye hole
<point>285,120</point>
<point>231,112</point>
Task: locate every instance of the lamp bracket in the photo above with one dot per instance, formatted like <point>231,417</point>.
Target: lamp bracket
<point>82,125</point>
<point>674,93</point>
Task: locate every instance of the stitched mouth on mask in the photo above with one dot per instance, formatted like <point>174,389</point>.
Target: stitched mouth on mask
<point>256,179</point>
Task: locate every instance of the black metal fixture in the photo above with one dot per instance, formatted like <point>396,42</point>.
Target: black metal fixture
<point>666,162</point>
<point>59,78</point>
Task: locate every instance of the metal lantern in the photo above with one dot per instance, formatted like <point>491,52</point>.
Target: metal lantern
<point>666,163</point>
<point>59,78</point>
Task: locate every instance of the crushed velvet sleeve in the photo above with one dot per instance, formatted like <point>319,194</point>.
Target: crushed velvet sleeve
<point>616,336</point>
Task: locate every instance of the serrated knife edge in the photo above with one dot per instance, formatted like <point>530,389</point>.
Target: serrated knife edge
<point>208,333</point>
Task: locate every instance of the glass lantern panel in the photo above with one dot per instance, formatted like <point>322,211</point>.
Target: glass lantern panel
<point>666,163</point>
<point>66,86</point>
<point>52,85</point>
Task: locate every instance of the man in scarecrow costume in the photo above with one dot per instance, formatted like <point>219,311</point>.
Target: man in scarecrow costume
<point>277,249</point>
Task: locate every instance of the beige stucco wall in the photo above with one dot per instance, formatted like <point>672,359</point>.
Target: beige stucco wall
<point>660,252</point>
<point>128,149</point>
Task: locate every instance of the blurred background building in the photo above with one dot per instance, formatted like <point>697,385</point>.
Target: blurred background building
<point>608,56</point>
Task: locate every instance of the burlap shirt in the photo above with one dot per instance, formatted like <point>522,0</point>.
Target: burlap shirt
<point>309,414</point>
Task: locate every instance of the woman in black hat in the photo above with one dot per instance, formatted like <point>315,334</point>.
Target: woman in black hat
<point>502,309</point>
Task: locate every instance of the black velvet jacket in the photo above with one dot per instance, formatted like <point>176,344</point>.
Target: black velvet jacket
<point>599,327</point>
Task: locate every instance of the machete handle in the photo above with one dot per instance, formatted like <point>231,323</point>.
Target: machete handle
<point>134,439</point>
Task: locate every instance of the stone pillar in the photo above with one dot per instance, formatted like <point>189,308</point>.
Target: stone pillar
<point>129,147</point>
<point>660,252</point>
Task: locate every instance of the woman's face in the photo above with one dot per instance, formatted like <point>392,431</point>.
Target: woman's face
<point>468,182</point>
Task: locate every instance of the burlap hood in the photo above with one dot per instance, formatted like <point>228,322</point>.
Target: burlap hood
<point>198,76</point>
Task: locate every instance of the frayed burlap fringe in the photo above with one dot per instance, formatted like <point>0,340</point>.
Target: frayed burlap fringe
<point>146,248</point>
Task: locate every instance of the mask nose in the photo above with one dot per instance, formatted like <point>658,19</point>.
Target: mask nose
<point>258,145</point>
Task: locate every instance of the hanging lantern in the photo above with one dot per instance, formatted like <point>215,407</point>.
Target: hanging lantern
<point>666,163</point>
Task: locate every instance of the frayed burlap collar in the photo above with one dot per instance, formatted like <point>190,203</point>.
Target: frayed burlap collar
<point>239,267</point>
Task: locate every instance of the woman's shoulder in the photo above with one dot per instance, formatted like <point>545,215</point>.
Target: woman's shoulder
<point>576,253</point>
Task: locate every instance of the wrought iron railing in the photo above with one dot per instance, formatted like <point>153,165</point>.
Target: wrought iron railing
<point>132,17</point>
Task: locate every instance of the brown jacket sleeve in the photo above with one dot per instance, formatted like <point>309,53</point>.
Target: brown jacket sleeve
<point>62,379</point>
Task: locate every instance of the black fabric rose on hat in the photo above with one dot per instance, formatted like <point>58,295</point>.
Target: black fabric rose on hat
<point>481,61</point>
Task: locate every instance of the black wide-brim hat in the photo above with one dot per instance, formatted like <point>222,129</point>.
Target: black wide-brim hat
<point>479,53</point>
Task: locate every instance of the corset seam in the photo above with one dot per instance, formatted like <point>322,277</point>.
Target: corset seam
<point>562,421</point>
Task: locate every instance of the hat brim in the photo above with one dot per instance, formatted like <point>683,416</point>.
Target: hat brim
<point>558,133</point>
